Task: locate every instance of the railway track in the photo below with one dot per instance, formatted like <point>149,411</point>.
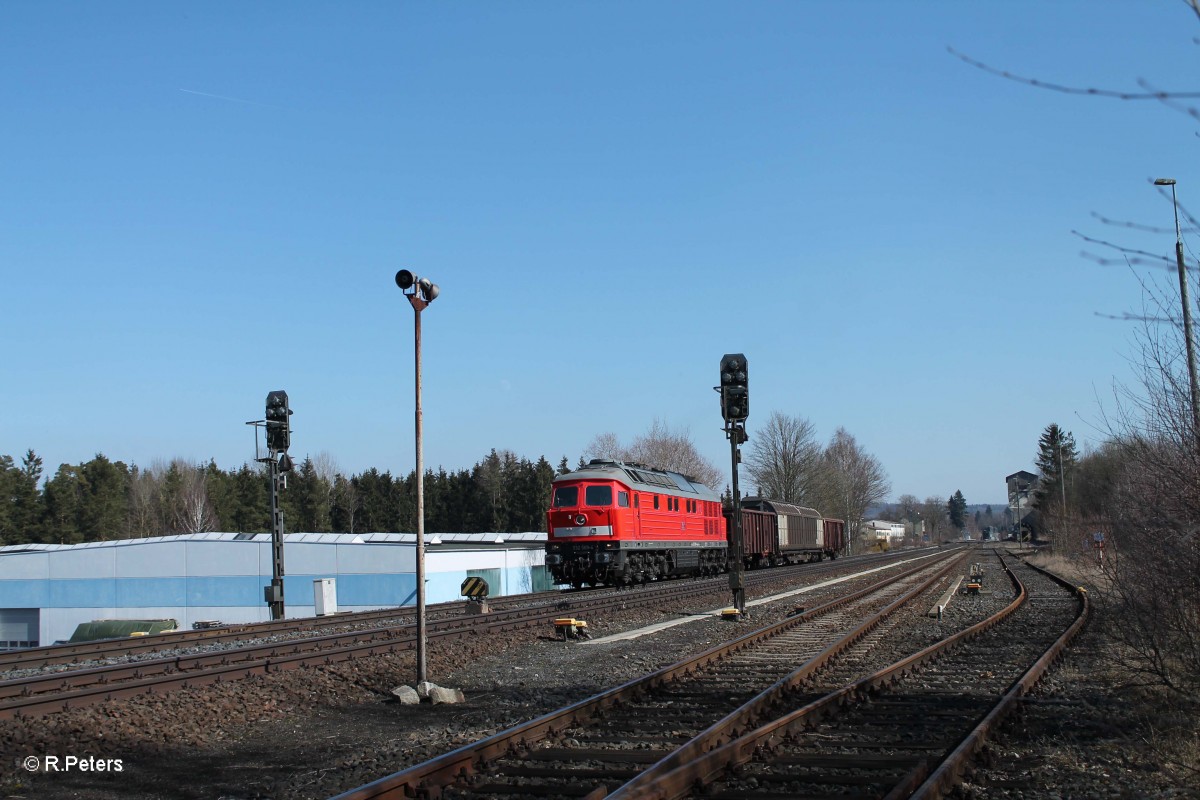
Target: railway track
<point>819,729</point>
<point>91,653</point>
<point>667,716</point>
<point>40,694</point>
<point>907,730</point>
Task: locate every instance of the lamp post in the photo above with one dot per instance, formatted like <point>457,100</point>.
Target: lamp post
<point>420,293</point>
<point>1194,385</point>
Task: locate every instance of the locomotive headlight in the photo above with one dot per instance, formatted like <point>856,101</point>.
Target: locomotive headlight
<point>580,519</point>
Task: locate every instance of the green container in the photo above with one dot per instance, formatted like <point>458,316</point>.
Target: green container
<point>118,628</point>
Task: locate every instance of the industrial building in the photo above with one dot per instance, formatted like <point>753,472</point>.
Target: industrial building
<point>46,590</point>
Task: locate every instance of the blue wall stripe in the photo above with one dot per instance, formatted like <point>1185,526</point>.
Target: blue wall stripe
<point>360,589</point>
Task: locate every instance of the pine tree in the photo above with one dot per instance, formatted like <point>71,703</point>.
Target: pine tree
<point>957,508</point>
<point>1056,461</point>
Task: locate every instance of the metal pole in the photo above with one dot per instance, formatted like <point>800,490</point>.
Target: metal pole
<point>1062,474</point>
<point>737,576</point>
<point>276,540</point>
<point>1194,384</point>
<point>421,673</point>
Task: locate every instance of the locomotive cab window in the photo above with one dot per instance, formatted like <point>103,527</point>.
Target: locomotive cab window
<point>598,496</point>
<point>566,496</point>
<point>623,499</point>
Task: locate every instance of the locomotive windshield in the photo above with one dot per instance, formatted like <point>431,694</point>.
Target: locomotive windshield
<point>566,496</point>
<point>598,496</point>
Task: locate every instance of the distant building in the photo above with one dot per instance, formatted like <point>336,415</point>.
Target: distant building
<point>883,529</point>
<point>1021,486</point>
<point>46,590</point>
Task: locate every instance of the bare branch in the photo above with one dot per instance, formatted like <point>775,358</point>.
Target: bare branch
<point>1147,258</point>
<point>1127,317</point>
<point>1167,100</point>
<point>1135,225</point>
<point>1159,95</point>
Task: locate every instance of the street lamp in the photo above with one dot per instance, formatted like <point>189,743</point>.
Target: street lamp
<point>420,293</point>
<point>1187,313</point>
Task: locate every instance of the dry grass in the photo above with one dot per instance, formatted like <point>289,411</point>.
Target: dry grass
<point>1160,725</point>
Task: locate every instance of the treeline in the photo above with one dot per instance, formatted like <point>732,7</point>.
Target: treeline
<point>102,499</point>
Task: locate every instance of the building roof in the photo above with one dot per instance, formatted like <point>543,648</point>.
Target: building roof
<point>431,539</point>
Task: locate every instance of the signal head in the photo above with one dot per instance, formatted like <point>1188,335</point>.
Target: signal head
<point>279,427</point>
<point>405,279</point>
<point>735,389</point>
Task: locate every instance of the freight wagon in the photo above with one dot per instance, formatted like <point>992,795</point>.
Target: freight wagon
<point>774,532</point>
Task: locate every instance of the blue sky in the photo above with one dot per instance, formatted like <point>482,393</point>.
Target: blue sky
<point>204,202</point>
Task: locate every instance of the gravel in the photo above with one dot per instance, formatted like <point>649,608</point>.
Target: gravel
<point>314,732</point>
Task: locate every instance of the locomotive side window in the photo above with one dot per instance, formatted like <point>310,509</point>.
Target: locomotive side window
<point>623,499</point>
<point>656,501</point>
<point>636,501</point>
<point>598,496</point>
<point>566,496</point>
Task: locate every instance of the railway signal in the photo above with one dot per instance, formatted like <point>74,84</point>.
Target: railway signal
<point>735,408</point>
<point>279,427</point>
<point>735,388</point>
<point>279,439</point>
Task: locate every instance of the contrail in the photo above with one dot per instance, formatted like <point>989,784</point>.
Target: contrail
<point>232,99</point>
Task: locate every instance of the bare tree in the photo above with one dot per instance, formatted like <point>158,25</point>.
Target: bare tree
<point>852,480</point>
<point>145,504</point>
<point>1153,513</point>
<point>606,446</point>
<point>190,509</point>
<point>908,506</point>
<point>933,512</point>
<point>659,447</point>
<point>784,458</point>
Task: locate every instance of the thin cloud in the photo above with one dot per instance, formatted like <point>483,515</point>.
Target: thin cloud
<point>232,99</point>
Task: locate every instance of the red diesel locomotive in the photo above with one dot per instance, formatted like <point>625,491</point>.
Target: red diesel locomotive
<point>619,523</point>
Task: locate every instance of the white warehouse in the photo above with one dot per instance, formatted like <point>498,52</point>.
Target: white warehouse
<point>46,590</point>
